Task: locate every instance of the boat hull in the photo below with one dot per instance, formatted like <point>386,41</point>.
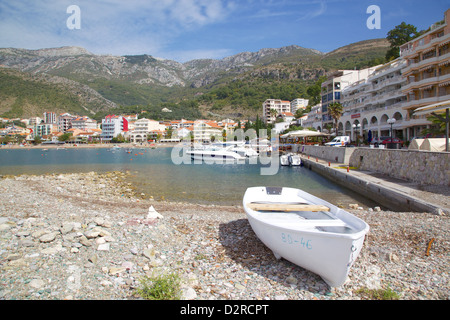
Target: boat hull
<point>216,157</point>
<point>284,160</point>
<point>290,160</point>
<point>328,254</point>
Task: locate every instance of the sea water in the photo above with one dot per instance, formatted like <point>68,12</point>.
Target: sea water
<point>153,173</point>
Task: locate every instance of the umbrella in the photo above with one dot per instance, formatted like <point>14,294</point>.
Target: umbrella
<point>304,133</point>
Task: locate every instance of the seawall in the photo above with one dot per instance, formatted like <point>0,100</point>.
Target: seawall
<point>424,167</point>
<point>364,184</point>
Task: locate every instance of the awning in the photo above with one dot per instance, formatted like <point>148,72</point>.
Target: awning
<point>304,133</point>
<point>442,106</point>
<point>426,68</point>
<point>444,43</point>
<point>428,50</point>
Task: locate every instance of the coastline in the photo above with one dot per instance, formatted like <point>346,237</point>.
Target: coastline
<point>88,237</point>
<point>89,146</point>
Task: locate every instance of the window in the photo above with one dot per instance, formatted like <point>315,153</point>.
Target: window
<point>337,95</point>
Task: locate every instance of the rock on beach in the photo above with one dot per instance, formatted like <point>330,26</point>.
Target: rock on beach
<point>61,236</point>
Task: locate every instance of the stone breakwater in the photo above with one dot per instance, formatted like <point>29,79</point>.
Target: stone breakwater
<point>88,236</point>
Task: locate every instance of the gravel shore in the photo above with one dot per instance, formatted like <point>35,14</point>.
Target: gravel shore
<point>90,237</point>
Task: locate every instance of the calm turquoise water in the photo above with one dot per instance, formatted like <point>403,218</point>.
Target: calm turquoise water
<point>154,173</point>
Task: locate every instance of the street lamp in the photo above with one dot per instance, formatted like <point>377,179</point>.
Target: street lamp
<point>391,122</point>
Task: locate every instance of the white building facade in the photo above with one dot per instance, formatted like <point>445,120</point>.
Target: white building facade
<point>279,107</point>
<point>297,104</point>
<point>370,103</point>
<point>112,126</point>
<point>332,88</point>
<point>84,123</point>
<point>143,128</point>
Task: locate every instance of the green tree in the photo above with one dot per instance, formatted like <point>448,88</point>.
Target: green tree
<point>118,139</point>
<point>273,114</point>
<point>401,34</point>
<point>64,137</point>
<point>300,113</point>
<point>314,91</point>
<point>335,110</point>
<point>437,128</point>
<point>37,140</point>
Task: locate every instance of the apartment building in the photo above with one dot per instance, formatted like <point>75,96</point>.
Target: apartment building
<point>44,129</point>
<point>64,121</point>
<point>49,117</point>
<point>205,130</point>
<point>143,127</point>
<point>274,107</point>
<point>112,126</point>
<point>427,71</point>
<point>314,118</point>
<point>297,104</point>
<point>333,86</point>
<point>370,103</point>
<point>84,123</point>
<point>34,121</point>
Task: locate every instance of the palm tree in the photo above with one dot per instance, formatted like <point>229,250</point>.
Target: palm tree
<point>335,110</point>
<point>438,127</point>
<point>273,113</point>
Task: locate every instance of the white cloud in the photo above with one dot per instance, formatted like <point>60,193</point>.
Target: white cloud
<point>107,26</point>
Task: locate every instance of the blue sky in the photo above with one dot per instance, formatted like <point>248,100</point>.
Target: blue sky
<point>183,30</point>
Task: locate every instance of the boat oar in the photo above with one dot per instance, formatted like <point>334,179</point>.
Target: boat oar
<point>286,207</point>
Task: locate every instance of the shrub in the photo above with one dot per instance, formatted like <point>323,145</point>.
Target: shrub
<point>160,287</point>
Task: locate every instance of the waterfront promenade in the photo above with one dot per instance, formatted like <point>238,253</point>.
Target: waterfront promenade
<point>395,193</point>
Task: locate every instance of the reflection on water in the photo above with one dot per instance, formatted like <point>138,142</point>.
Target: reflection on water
<point>153,173</point>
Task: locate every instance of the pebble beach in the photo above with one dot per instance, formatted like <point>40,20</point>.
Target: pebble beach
<point>90,236</point>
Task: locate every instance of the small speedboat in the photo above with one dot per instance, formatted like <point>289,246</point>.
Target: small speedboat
<point>306,230</point>
<point>284,160</point>
<point>295,160</point>
<point>290,160</point>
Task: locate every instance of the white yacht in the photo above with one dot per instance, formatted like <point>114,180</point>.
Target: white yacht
<point>216,153</point>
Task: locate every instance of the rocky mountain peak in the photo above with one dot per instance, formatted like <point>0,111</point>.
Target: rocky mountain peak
<point>62,52</point>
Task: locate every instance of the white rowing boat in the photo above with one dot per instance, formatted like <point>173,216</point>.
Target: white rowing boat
<point>306,230</point>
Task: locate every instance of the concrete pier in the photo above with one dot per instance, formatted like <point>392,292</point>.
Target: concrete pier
<point>393,193</point>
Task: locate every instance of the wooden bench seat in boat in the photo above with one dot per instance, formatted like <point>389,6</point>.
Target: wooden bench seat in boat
<point>281,207</point>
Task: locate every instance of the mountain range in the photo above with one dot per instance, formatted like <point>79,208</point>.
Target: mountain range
<point>74,80</point>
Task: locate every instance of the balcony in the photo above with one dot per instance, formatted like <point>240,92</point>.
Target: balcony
<point>425,82</point>
<point>430,61</point>
<point>415,103</point>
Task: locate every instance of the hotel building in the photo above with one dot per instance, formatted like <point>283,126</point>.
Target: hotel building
<point>112,126</point>
<point>65,122</point>
<point>427,72</point>
<point>370,103</point>
<point>49,117</point>
<point>314,118</point>
<point>333,86</point>
<point>143,129</point>
<point>278,105</point>
<point>298,104</point>
<point>84,123</point>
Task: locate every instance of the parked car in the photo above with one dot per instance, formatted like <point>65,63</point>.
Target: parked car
<point>385,140</point>
<point>340,141</point>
